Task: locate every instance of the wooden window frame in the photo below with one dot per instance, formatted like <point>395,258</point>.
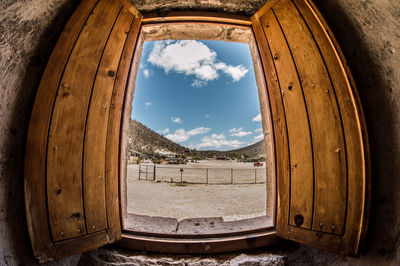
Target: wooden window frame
<point>207,243</point>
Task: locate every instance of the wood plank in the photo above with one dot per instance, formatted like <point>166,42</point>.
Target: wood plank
<point>198,246</point>
<point>282,159</point>
<point>96,126</point>
<point>325,121</point>
<point>112,159</point>
<point>36,146</point>
<point>65,146</point>
<point>353,125</point>
<point>315,239</point>
<point>82,244</point>
<point>300,146</point>
<point>267,128</point>
<point>128,5</point>
<point>192,16</point>
<point>265,8</point>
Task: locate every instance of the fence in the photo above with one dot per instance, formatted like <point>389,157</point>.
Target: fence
<point>211,176</point>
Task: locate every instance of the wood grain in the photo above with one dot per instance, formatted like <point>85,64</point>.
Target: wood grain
<point>353,125</point>
<point>300,146</point>
<point>113,159</point>
<point>65,146</point>
<point>325,121</point>
<point>81,244</point>
<point>282,159</point>
<point>198,246</point>
<point>192,16</point>
<point>96,126</point>
<point>36,146</point>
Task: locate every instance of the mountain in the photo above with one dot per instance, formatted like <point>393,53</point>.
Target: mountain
<point>144,140</point>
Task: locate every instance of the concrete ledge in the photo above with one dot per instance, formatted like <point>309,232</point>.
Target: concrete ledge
<point>104,257</point>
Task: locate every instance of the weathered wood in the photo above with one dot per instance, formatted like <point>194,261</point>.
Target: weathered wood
<point>113,159</point>
<point>196,16</point>
<point>282,159</point>
<point>300,146</point>
<point>269,147</point>
<point>315,239</point>
<point>96,126</point>
<point>330,184</point>
<point>198,246</point>
<point>36,146</point>
<point>65,146</point>
<point>353,125</point>
<point>81,244</point>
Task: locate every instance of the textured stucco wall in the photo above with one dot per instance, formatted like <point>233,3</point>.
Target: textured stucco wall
<point>367,30</point>
<point>28,32</point>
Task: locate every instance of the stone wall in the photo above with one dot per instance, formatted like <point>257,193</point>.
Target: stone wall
<point>28,32</point>
<point>367,30</point>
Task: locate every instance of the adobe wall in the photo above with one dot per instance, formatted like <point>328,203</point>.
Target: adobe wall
<point>367,30</point>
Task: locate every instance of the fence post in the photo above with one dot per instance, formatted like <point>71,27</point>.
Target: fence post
<point>255,175</point>
<point>231,175</point>
<point>139,172</point>
<point>154,173</point>
<point>206,175</point>
<point>146,172</point>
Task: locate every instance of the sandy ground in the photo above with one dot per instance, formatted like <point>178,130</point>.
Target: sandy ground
<point>232,202</point>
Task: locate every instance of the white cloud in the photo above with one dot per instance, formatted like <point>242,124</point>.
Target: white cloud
<point>218,141</point>
<point>177,120</point>
<point>181,135</point>
<point>163,131</point>
<point>199,130</point>
<point>147,73</point>
<point>241,133</point>
<point>258,130</point>
<point>147,104</point>
<point>259,137</point>
<point>257,118</point>
<point>191,57</point>
<point>198,83</point>
<point>207,116</point>
<point>235,129</point>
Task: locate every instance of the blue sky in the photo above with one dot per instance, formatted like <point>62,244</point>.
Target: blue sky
<point>200,94</point>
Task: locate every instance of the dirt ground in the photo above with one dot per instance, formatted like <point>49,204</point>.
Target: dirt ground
<point>181,201</point>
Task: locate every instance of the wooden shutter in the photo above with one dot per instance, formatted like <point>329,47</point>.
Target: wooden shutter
<point>72,159</point>
<point>320,137</point>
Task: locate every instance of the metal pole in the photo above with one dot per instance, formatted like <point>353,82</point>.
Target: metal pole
<point>146,172</point>
<point>139,172</point>
<point>231,175</point>
<point>255,176</point>
<point>154,173</point>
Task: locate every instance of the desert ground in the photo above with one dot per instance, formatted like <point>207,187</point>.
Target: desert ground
<point>164,198</point>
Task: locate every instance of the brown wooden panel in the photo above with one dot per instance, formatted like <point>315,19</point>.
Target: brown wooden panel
<point>82,244</point>
<point>96,127</point>
<point>353,124</point>
<point>192,16</point>
<point>315,239</point>
<point>65,146</point>
<point>112,159</point>
<point>330,185</point>
<point>300,146</point>
<point>282,159</point>
<point>36,146</point>
<point>198,246</point>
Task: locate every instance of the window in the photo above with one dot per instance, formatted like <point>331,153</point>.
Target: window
<point>75,159</point>
<point>225,176</point>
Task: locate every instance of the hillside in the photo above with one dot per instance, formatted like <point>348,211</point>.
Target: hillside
<point>144,140</point>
